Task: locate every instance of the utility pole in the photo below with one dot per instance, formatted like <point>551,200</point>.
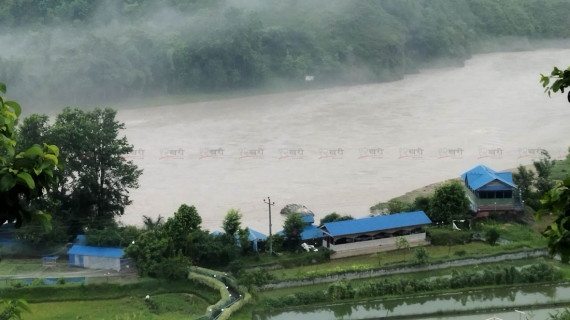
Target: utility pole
<point>269,204</point>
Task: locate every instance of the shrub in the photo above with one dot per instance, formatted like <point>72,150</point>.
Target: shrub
<point>421,255</point>
<point>447,237</point>
<point>492,235</point>
<point>61,281</point>
<point>341,290</point>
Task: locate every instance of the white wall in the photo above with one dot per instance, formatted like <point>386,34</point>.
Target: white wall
<point>375,243</point>
<point>93,262</point>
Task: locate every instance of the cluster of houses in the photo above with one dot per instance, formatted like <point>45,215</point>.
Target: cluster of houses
<point>487,190</point>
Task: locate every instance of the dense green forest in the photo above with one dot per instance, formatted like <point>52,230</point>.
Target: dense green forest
<point>85,52</point>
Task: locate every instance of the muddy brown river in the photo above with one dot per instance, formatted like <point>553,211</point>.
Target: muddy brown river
<point>344,149</point>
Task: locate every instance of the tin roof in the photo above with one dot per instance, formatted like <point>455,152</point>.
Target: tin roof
<point>378,223</point>
<point>96,251</point>
<point>481,175</point>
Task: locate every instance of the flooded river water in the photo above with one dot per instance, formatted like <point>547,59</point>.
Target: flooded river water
<point>344,149</point>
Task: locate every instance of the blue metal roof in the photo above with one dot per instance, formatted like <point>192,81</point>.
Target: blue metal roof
<point>378,223</point>
<point>312,232</point>
<point>482,175</point>
<point>255,235</point>
<point>96,251</point>
<point>308,219</point>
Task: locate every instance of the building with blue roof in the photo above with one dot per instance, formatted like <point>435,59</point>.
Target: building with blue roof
<point>491,191</point>
<point>374,234</point>
<point>95,257</point>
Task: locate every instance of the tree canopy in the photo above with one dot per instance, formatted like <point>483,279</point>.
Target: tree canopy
<point>92,187</point>
<point>232,222</point>
<point>139,47</point>
<point>448,202</point>
<point>293,227</point>
<point>332,217</point>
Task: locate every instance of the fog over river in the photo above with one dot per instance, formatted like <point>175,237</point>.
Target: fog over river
<point>360,145</point>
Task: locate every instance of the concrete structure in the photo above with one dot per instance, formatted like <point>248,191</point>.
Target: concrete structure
<point>490,191</point>
<point>375,234</point>
<point>95,257</point>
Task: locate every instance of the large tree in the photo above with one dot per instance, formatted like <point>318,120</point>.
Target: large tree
<point>232,222</point>
<point>524,178</point>
<point>93,185</point>
<point>185,221</point>
<point>448,202</point>
<point>292,228</point>
<point>543,169</point>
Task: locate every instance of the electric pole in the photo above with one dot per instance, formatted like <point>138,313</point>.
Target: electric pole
<point>269,204</point>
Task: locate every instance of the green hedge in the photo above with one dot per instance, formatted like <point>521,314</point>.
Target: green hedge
<point>446,237</point>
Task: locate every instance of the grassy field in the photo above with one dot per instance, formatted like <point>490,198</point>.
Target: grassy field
<point>169,300</point>
<point>561,169</point>
<point>169,306</point>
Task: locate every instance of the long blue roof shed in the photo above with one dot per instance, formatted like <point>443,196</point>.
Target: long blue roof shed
<point>95,257</point>
<point>481,176</point>
<point>377,223</point>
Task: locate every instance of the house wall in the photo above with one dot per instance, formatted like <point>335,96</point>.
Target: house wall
<point>412,238</point>
<point>93,262</point>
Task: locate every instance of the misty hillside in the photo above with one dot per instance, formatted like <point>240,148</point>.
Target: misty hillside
<point>87,52</point>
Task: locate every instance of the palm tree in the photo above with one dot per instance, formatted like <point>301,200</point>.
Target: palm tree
<point>150,224</point>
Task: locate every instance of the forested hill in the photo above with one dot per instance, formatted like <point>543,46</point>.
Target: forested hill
<point>94,51</point>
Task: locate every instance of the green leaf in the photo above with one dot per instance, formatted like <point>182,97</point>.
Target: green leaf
<point>51,158</point>
<point>27,179</point>
<point>556,85</point>
<point>15,106</point>
<point>2,87</point>
<point>7,182</point>
<point>34,150</point>
<point>52,149</point>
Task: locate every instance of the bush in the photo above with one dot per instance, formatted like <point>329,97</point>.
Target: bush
<point>421,255</point>
<point>174,268</point>
<point>492,235</point>
<point>341,290</point>
<point>447,237</point>
<point>61,281</point>
<point>256,278</point>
